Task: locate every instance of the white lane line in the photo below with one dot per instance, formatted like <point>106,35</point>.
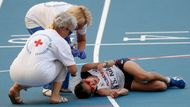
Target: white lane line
<point>14,46</point>
<point>1,2</point>
<point>140,58</point>
<point>162,57</point>
<point>23,35</point>
<point>114,103</point>
<point>2,71</point>
<point>160,32</point>
<point>99,39</point>
<point>116,44</point>
<point>154,37</point>
<point>148,43</point>
<point>101,30</point>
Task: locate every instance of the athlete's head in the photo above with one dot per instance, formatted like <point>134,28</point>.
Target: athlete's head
<point>82,14</point>
<point>86,87</point>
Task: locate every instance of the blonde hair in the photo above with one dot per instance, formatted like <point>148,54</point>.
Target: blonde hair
<point>64,20</point>
<point>82,14</point>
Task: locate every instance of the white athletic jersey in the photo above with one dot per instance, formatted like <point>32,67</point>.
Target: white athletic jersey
<point>36,63</point>
<point>111,78</point>
<point>43,14</point>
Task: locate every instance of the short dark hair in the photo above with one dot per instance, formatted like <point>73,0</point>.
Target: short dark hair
<point>80,92</point>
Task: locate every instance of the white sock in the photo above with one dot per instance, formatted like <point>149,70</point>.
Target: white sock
<point>168,79</point>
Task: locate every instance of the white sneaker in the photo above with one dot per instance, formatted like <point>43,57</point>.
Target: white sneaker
<point>46,92</point>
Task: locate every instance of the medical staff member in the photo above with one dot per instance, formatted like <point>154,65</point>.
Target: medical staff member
<point>40,16</point>
<point>46,57</point>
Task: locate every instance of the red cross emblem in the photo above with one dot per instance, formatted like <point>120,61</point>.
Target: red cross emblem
<point>38,42</point>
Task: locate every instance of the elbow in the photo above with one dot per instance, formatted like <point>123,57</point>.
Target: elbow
<point>84,67</point>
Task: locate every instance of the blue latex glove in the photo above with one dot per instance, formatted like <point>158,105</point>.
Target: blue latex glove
<point>75,52</point>
<point>68,39</point>
<point>82,55</point>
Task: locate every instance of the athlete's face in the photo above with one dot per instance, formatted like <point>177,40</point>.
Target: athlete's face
<point>91,83</point>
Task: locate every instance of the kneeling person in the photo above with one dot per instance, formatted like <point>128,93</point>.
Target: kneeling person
<point>45,58</point>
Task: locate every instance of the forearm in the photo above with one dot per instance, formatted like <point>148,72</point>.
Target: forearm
<point>81,46</point>
<point>81,41</point>
<point>103,92</point>
<point>109,63</point>
<point>112,92</point>
<point>104,64</point>
<point>97,65</point>
<point>122,91</point>
<point>89,66</point>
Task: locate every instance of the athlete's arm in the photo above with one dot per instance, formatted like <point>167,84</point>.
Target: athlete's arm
<point>89,66</point>
<point>97,66</point>
<point>112,92</point>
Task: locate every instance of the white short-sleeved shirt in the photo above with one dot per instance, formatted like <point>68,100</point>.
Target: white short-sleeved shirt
<point>111,78</point>
<point>36,63</point>
<point>43,14</point>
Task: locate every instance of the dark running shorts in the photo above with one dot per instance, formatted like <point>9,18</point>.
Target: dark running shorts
<point>128,78</point>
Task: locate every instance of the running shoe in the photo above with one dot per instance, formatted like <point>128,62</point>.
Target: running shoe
<point>177,81</point>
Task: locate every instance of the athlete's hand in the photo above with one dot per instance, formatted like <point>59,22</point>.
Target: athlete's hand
<point>113,93</point>
<point>100,67</point>
<point>122,91</point>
